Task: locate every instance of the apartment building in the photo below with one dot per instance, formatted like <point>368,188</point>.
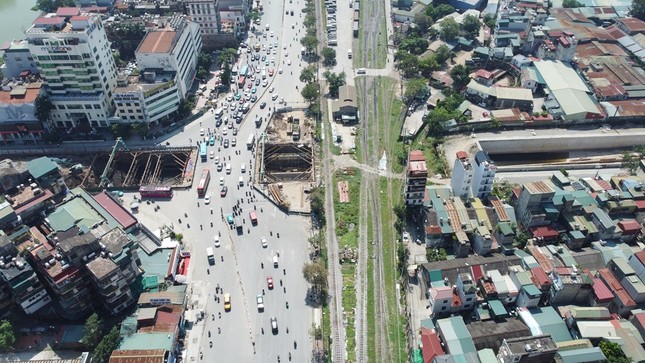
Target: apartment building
<point>206,14</point>
<point>462,176</point>
<point>76,63</point>
<point>483,175</point>
<point>17,60</point>
<point>18,122</point>
<point>415,178</point>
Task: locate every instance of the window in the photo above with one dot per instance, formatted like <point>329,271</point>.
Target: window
<point>470,298</point>
<point>97,107</point>
<point>443,308</point>
<point>445,301</point>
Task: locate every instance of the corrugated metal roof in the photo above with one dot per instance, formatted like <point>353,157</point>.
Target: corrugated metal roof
<point>550,322</point>
<point>581,355</point>
<point>456,336</point>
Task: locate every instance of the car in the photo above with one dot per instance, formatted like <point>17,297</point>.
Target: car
<point>281,100</point>
<point>263,242</point>
<point>271,34</point>
<point>291,12</point>
<point>229,98</point>
<point>224,131</point>
<point>280,70</point>
<point>263,105</point>
<point>270,282</point>
<point>228,171</point>
<point>249,85</point>
<point>271,89</point>
<point>260,301</point>
<point>286,54</point>
<point>284,47</point>
<point>233,106</point>
<point>274,97</point>
<point>264,57</point>
<point>253,90</point>
<point>225,143</point>
<point>275,44</point>
<point>234,133</point>
<point>212,155</point>
<point>225,120</point>
<point>225,105</point>
<point>243,167</point>
<point>265,83</point>
<point>216,241</point>
<point>217,159</point>
<point>266,62</point>
<point>257,81</point>
<point>230,126</point>
<point>257,70</point>
<point>274,324</point>
<point>233,142</point>
<point>207,199</point>
<point>222,193</point>
<point>218,123</point>
<point>227,302</point>
<point>270,72</point>
<point>201,132</point>
<point>254,98</point>
<point>274,52</point>
<point>273,59</point>
<point>289,62</point>
<point>221,180</point>
<point>238,96</point>
<point>220,167</point>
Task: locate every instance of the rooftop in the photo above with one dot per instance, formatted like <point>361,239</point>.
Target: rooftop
<point>101,267</point>
<point>139,356</point>
<point>456,337</point>
<point>536,343</point>
<point>157,42</point>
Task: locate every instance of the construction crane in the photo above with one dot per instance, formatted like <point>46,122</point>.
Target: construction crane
<point>104,177</point>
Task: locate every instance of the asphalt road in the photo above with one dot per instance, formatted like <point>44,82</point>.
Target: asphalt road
<point>238,269</point>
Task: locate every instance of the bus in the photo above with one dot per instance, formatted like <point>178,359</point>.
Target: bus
<point>253,217</point>
<point>210,255</point>
<point>151,191</point>
<point>250,142</point>
<point>203,182</point>
<point>240,82</point>
<point>244,71</point>
<point>202,151</point>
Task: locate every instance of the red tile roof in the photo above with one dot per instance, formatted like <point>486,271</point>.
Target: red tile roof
<point>484,74</point>
<point>547,232</point>
<point>601,291</point>
<point>478,272</point>
<point>462,155</point>
<point>417,155</point>
<point>540,277</point>
<point>629,226</point>
<point>125,219</point>
<point>49,21</point>
<point>68,11</point>
<point>615,286</point>
<point>431,346</point>
<point>641,256</point>
<point>640,204</point>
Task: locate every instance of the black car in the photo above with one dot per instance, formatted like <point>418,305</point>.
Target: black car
<point>218,123</point>
<point>263,105</point>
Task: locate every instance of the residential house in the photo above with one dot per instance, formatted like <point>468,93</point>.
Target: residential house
<point>531,349</point>
<point>345,109</point>
<point>484,170</point>
<point>570,286</point>
<point>623,303</point>
<point>440,301</point>
<point>461,177</point>
<point>416,178</point>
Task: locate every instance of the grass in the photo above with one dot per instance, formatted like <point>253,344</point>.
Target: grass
<point>381,47</point>
<point>349,304</point>
<point>371,324</point>
<point>435,160</point>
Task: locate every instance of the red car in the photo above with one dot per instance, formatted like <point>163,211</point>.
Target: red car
<point>270,282</point>
<point>249,85</point>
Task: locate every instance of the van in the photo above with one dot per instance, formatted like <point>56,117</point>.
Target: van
<point>275,261</point>
<point>219,112</point>
<point>266,27</point>
<point>361,71</point>
<point>241,181</point>
<point>254,218</point>
<point>264,74</point>
<point>203,88</point>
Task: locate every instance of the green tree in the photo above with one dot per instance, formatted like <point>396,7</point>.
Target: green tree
<point>449,30</point>
<point>225,76</point>
<point>308,74</point>
<point>43,108</point>
<point>613,352</point>
<point>414,45</point>
<point>186,106</point>
<point>460,76</point>
<point>502,190</point>
<point>93,331</point>
<point>125,37</point>
<point>107,345</point>
<point>335,81</point>
<point>572,4</point>
<point>489,20</point>
<point>310,42</point>
<point>227,55</point>
<point>315,273</point>
<point>123,131</point>
<point>310,92</point>
<point>407,63</point>
<point>427,65</point>
<point>638,9</point>
<point>434,254</point>
<point>317,203</point>
<point>7,335</point>
<point>443,53</point>
<point>439,11</point>
<point>471,26</point>
<point>254,15</point>
<point>329,56</point>
<point>50,6</point>
<point>140,128</point>
<point>632,158</point>
<point>423,22</point>
<point>415,89</point>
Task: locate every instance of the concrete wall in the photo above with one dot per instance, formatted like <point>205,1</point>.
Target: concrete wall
<point>533,144</point>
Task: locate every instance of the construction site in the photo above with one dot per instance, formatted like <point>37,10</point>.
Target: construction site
<point>285,161</point>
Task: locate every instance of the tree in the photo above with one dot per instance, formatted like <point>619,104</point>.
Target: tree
<point>490,21</point>
<point>638,9</point>
<point>613,352</point>
<point>502,190</point>
<point>471,26</point>
<point>428,64</point>
<point>310,42</point>
<point>315,273</point>
<point>423,22</point>
<point>407,63</point>
<point>50,6</point>
<point>443,54</point>
<point>123,131</point>
<point>310,92</point>
<point>335,81</point>
<point>317,203</point>
<point>204,61</point>
<point>43,108</point>
<point>329,56</point>
<point>631,159</point>
<point>93,331</point>
<point>449,30</point>
<point>225,76</point>
<point>125,38</point>
<point>415,89</point>
<point>7,335</point>
<point>459,75</point>
<point>108,344</point>
<point>443,10</point>
<point>254,15</point>
<point>227,55</point>
<point>434,254</point>
<point>140,128</point>
<point>572,4</point>
<point>414,45</point>
<point>308,74</point>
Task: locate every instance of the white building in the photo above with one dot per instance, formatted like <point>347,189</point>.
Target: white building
<point>462,176</point>
<point>206,14</point>
<point>483,175</point>
<point>146,102</point>
<point>17,60</point>
<point>76,65</point>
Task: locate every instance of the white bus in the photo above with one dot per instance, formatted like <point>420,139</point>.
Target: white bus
<point>219,112</point>
<point>250,142</point>
<point>210,255</point>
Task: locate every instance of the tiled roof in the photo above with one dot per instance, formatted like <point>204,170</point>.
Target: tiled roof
<point>601,291</point>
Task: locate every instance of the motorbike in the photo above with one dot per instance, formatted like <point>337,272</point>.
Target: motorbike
<point>209,333</point>
<point>261,264</point>
<point>210,344</point>
<point>208,271</point>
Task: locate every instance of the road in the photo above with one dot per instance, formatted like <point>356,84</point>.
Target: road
<point>238,269</point>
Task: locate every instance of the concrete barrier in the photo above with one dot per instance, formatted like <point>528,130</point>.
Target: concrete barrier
<point>566,142</point>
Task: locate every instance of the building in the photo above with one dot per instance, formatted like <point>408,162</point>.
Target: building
<point>535,349</point>
<point>462,176</point>
<point>221,22</point>
<point>47,174</point>
<point>455,336</point>
<point>440,301</point>
<point>18,62</point>
<point>18,121</point>
<point>167,59</point>
<point>529,204</point>
<point>206,14</point>
<point>77,67</point>
<point>344,109</point>
<point>416,178</point>
<point>483,175</point>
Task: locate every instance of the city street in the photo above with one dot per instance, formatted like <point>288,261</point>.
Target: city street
<point>244,334</point>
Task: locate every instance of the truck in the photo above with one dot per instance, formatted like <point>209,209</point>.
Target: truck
<point>238,225</point>
<point>258,122</point>
<point>250,141</point>
<point>210,255</point>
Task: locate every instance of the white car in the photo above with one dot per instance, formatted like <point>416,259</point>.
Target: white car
<point>217,242</point>
<point>217,159</point>
<point>271,89</point>
<point>225,105</point>
<point>286,54</point>
<point>280,70</point>
<point>263,242</point>
<point>260,300</point>
<point>274,97</point>
<point>275,52</point>
<point>289,62</point>
<point>233,142</point>
<point>265,83</point>
<point>229,98</point>
<point>221,180</point>
<point>212,154</point>
<point>271,34</point>
<point>224,132</point>
<point>207,199</point>
<point>284,47</point>
<point>281,99</point>
<point>201,132</point>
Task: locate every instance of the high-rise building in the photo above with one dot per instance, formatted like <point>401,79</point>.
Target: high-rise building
<point>206,14</point>
<point>462,176</point>
<point>483,175</point>
<point>167,60</point>
<point>17,60</point>
<point>77,66</point>
<point>415,178</point>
